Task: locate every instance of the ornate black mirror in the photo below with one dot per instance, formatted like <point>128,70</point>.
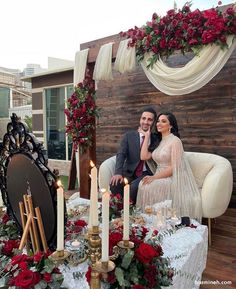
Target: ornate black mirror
<point>23,170</point>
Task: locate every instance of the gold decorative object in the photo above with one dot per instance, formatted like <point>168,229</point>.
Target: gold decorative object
<point>94,255</point>
<point>105,267</point>
<point>60,256</point>
<point>125,244</point>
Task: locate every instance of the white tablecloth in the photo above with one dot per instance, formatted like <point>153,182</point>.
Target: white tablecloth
<point>187,249</point>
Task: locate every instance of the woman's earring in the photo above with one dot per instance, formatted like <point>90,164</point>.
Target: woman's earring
<point>169,129</point>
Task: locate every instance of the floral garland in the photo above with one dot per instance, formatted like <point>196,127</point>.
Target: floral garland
<point>183,30</point>
<point>81,112</point>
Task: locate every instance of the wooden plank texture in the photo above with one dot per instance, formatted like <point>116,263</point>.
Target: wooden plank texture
<point>206,117</point>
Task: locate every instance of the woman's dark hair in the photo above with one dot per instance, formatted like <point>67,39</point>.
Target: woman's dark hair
<point>173,123</point>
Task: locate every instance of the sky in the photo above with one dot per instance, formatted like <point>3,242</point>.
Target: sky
<point>32,31</point>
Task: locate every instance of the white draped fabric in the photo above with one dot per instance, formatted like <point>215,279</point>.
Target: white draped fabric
<point>175,81</point>
<point>80,65</point>
<point>125,57</point>
<point>103,65</point>
<point>171,81</point>
<point>194,75</point>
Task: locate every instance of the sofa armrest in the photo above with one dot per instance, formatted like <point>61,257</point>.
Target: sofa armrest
<point>106,171</point>
<point>217,189</point>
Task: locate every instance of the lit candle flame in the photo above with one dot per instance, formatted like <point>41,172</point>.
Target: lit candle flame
<point>103,191</point>
<point>92,164</point>
<point>126,181</point>
<point>59,183</point>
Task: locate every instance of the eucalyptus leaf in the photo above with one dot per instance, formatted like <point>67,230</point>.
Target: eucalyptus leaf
<point>120,276</point>
<point>127,259</point>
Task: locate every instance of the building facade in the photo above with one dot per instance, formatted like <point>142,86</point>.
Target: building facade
<point>50,91</point>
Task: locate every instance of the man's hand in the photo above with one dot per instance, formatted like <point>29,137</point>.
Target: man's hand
<point>116,179</point>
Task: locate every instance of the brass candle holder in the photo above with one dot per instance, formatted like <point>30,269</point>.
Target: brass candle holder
<point>94,253</point>
<point>104,267</point>
<point>126,244</point>
<point>94,245</point>
<point>60,256</point>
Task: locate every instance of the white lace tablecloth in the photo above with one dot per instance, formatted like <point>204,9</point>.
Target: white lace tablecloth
<point>187,249</point>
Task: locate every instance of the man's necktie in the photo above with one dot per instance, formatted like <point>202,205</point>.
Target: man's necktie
<point>139,169</point>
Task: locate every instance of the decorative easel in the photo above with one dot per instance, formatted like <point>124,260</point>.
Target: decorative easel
<point>31,223</point>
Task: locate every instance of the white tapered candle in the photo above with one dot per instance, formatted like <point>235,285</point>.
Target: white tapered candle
<point>60,219</point>
<point>126,212</point>
<point>105,226</point>
<point>94,197</point>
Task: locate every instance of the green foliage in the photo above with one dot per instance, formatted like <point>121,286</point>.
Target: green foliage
<point>28,121</point>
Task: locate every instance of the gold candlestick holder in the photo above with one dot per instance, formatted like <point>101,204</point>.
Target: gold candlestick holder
<point>126,244</point>
<point>94,245</point>
<point>94,253</point>
<point>59,256</point>
<point>104,266</point>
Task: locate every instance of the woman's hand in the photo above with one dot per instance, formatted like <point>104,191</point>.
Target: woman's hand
<point>148,179</point>
<point>145,133</point>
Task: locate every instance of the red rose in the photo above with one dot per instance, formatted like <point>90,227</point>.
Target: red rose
<point>47,277</point>
<point>150,275</point>
<point>207,36</point>
<point>154,16</point>
<point>163,43</point>
<point>145,253</point>
<point>88,274</point>
<point>230,11</point>
<point>9,246</point>
<point>23,265</point>
<point>38,256</point>
<point>137,286</point>
<point>18,259</point>
<point>5,218</point>
<point>27,279</point>
<point>193,41</point>
<point>154,49</point>
<point>80,223</point>
<point>114,238</point>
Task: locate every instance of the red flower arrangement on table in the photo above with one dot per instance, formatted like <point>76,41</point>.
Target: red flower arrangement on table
<point>22,271</point>
<point>183,30</point>
<point>26,272</point>
<point>116,206</point>
<point>74,228</point>
<point>143,267</point>
<point>81,112</point>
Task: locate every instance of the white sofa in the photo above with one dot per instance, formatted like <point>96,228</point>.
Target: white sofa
<point>213,175</point>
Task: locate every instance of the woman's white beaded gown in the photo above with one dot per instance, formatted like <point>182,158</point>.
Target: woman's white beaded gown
<point>181,187</point>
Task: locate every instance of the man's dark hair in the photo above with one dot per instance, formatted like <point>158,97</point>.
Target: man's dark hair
<point>151,110</point>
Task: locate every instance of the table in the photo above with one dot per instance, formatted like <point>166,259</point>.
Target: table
<point>187,249</point>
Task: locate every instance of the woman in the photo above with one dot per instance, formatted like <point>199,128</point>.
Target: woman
<point>173,179</point>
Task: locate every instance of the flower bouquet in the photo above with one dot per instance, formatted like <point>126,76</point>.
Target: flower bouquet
<point>27,272</point>
<point>142,267</point>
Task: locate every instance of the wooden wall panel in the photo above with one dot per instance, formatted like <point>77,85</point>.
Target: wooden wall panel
<point>206,118</point>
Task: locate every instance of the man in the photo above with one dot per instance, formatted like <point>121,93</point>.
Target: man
<point>128,164</point>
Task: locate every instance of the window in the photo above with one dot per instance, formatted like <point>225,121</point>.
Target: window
<point>4,102</point>
<point>56,139</point>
